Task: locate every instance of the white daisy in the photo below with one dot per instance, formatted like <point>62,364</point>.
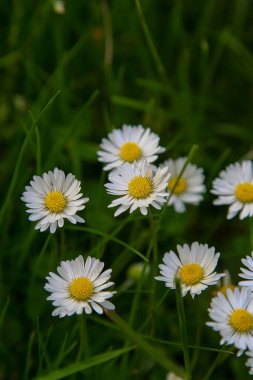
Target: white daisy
<point>188,188</point>
<point>194,267</point>
<point>173,376</point>
<point>129,144</point>
<point>53,198</point>
<point>138,187</point>
<point>224,284</point>
<point>234,187</point>
<point>247,273</point>
<point>80,287</point>
<point>59,7</point>
<point>232,316</point>
<point>249,362</point>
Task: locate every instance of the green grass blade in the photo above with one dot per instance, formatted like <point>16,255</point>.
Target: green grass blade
<point>38,146</point>
<point>220,358</point>
<point>179,344</point>
<point>154,353</point>
<point>89,363</point>
<point>3,312</point>
<point>19,159</point>
<point>70,131</point>
<point>109,237</point>
<point>29,356</point>
<point>183,328</point>
<point>159,65</point>
<point>159,303</point>
<point>188,160</point>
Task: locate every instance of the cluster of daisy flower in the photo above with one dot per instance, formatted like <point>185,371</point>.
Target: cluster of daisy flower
<point>129,154</point>
<point>79,285</point>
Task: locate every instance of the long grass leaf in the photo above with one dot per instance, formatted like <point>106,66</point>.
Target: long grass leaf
<point>159,65</point>
<point>69,132</point>
<point>183,329</point>
<point>14,178</point>
<point>109,237</point>
<point>89,363</point>
<point>153,353</point>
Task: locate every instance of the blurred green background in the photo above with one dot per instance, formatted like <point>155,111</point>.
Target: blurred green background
<point>194,86</point>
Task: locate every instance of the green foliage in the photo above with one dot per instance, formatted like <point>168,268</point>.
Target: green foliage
<point>184,69</point>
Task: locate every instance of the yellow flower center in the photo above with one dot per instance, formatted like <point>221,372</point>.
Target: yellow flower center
<point>191,274</point>
<point>244,192</point>
<point>130,152</point>
<point>181,185</point>
<point>241,320</point>
<point>55,201</point>
<point>81,288</point>
<point>140,187</point>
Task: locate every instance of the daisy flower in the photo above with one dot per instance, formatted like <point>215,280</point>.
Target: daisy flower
<point>186,189</point>
<point>247,273</point>
<point>52,198</point>
<point>234,187</point>
<point>79,287</point>
<point>173,376</point>
<point>129,144</point>
<point>138,187</point>
<point>194,267</point>
<point>59,7</point>
<point>232,316</point>
<point>249,362</point>
<point>224,284</point>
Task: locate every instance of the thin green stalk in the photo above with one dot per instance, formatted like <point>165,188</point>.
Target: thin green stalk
<point>159,65</point>
<point>133,312</point>
<point>138,289</point>
<point>70,131</point>
<point>251,232</point>
<point>93,361</point>
<point>220,358</point>
<point>217,165</point>
<point>96,249</point>
<point>153,229</point>
<point>179,344</point>
<point>183,329</point>
<point>108,52</point>
<point>188,160</point>
<point>14,178</point>
<point>64,351</point>
<point>43,357</point>
<point>29,357</point>
<point>38,261</point>
<point>38,146</point>
<point>62,244</point>
<point>3,312</point>
<point>198,323</point>
<point>83,352</point>
<point>155,308</point>
<point>110,237</point>
<point>154,353</point>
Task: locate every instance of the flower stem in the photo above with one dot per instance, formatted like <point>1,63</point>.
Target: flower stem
<point>251,232</point>
<point>83,351</point>
<point>154,353</point>
<point>183,329</point>
<point>190,156</point>
<point>220,358</point>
